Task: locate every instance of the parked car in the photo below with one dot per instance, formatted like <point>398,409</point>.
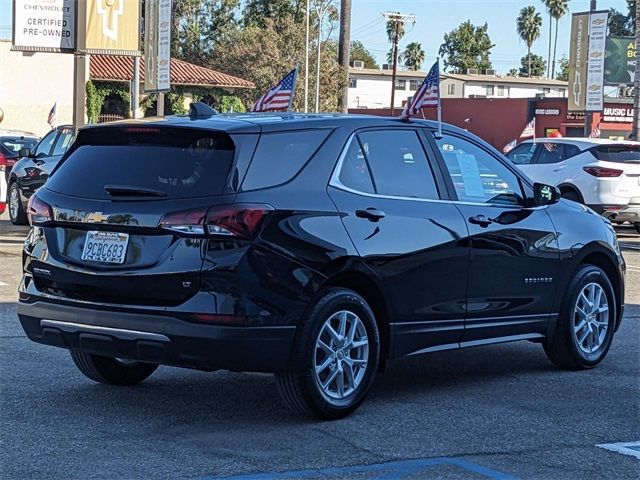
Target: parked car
<point>316,247</point>
<point>11,141</point>
<point>32,170</point>
<point>603,174</point>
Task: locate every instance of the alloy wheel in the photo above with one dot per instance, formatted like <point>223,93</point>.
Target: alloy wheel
<point>14,202</point>
<point>591,318</point>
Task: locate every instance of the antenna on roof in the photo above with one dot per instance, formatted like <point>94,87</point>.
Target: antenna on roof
<point>199,109</point>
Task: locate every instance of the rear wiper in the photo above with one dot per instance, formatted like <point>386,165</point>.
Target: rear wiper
<point>133,191</point>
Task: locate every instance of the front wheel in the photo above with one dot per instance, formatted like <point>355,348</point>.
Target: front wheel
<point>112,371</point>
<point>586,323</point>
<point>335,357</point>
<point>17,215</point>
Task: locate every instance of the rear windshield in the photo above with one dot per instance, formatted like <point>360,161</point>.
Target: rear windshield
<point>179,163</point>
<point>12,145</point>
<point>617,153</point>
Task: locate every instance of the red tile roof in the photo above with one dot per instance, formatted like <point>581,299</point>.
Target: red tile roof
<point>116,68</point>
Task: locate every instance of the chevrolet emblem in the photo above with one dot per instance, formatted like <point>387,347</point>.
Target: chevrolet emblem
<point>94,217</point>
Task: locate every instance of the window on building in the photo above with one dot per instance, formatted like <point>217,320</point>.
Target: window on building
<point>451,89</point>
<point>414,84</point>
<point>546,90</point>
<point>490,90</point>
<point>501,90</point>
<point>401,84</point>
<point>353,82</point>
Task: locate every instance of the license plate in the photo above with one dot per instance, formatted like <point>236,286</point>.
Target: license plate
<point>107,247</point>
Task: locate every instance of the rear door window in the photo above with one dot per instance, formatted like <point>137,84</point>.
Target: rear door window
<point>551,152</point>
<point>354,172</point>
<point>177,162</point>
<point>63,142</point>
<point>617,153</point>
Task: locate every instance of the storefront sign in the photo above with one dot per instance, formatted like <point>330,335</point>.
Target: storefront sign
<point>618,114</point>
<point>579,47</point>
<point>44,25</point>
<point>620,61</point>
<point>547,111</point>
<point>595,70</point>
<point>113,27</point>
<point>157,46</point>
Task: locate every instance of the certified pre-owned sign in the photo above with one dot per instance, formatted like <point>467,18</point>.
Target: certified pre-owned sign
<point>44,25</point>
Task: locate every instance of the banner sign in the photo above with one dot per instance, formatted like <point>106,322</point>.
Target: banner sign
<point>595,71</point>
<point>113,27</point>
<point>44,25</point>
<point>619,61</point>
<point>157,46</point>
<point>579,47</point>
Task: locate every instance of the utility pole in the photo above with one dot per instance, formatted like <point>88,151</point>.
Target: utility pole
<point>635,132</point>
<point>344,44</point>
<point>398,20</point>
<point>80,59</point>
<point>322,6</point>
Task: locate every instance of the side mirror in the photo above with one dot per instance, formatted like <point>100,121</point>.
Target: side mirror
<point>24,152</point>
<point>545,194</point>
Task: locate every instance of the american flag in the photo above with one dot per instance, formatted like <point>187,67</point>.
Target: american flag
<point>595,133</point>
<point>509,146</point>
<point>529,130</point>
<point>52,120</point>
<point>280,95</point>
<point>428,95</point>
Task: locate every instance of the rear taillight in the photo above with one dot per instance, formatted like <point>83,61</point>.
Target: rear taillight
<point>603,172</point>
<point>38,211</point>
<point>233,221</point>
<point>3,162</point>
<point>3,207</point>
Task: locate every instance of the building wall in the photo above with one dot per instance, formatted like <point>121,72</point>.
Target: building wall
<point>375,91</point>
<point>30,83</point>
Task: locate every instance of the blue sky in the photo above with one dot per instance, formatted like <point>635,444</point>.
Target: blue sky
<point>436,17</point>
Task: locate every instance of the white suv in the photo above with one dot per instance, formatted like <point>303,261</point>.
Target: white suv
<point>602,174</point>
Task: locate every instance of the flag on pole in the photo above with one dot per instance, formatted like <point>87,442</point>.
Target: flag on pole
<point>280,96</point>
<point>595,133</point>
<point>529,130</point>
<point>428,95</point>
<point>510,146</point>
<point>52,120</point>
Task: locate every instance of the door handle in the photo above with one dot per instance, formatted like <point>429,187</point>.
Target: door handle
<point>481,220</point>
<point>372,214</point>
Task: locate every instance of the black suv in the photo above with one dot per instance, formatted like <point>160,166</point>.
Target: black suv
<point>316,247</point>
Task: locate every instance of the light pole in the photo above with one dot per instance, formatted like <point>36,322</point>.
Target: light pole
<point>321,9</point>
<point>306,64</point>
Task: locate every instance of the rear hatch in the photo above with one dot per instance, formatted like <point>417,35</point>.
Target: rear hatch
<point>622,163</point>
<point>107,238</point>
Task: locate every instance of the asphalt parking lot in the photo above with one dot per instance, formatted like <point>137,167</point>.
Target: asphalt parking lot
<point>491,412</point>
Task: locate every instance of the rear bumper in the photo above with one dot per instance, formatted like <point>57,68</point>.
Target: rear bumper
<point>631,213</point>
<point>157,338</point>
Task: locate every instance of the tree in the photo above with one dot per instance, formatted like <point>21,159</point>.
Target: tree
<point>528,25</point>
<point>534,64</point>
<point>413,56</point>
<point>514,72</point>
<point>390,55</point>
<point>621,25</point>
<point>557,10</point>
<point>563,70</point>
<point>258,12</point>
<point>468,46</point>
<point>358,52</point>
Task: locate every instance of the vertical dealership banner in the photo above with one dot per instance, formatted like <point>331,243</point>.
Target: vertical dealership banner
<point>113,27</point>
<point>157,46</point>
<point>44,25</point>
<point>578,52</point>
<point>594,101</point>
<point>619,61</point>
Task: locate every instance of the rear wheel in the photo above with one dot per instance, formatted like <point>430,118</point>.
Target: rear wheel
<point>585,327</point>
<point>112,371</point>
<point>17,215</point>
<point>335,357</point>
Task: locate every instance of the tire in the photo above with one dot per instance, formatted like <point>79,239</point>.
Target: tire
<point>301,388</point>
<point>111,371</point>
<point>566,347</point>
<point>572,195</point>
<point>17,214</point>
<point>637,226</point>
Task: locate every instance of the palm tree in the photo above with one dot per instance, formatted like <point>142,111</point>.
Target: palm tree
<point>557,10</point>
<point>528,26</point>
<point>413,56</point>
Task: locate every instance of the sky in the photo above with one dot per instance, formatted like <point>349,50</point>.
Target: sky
<point>434,18</point>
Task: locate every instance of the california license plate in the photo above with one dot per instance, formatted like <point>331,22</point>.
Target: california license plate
<point>107,247</point>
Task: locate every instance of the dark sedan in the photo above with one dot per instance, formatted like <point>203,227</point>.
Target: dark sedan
<point>30,172</point>
<point>316,247</point>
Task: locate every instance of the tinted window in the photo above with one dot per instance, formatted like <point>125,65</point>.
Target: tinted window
<point>551,153</point>
<point>44,147</point>
<point>12,145</point>
<point>280,156</point>
<point>522,154</point>
<point>180,162</point>
<point>571,151</point>
<point>398,164</point>
<point>354,172</point>
<point>63,142</point>
<point>477,175</point>
<point>617,153</point>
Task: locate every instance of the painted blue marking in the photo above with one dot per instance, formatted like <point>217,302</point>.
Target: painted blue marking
<point>382,471</point>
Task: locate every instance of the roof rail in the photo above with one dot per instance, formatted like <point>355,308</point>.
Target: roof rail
<point>199,109</point>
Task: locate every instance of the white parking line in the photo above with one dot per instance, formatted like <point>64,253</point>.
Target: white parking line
<point>629,448</point>
<point>2,284</point>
